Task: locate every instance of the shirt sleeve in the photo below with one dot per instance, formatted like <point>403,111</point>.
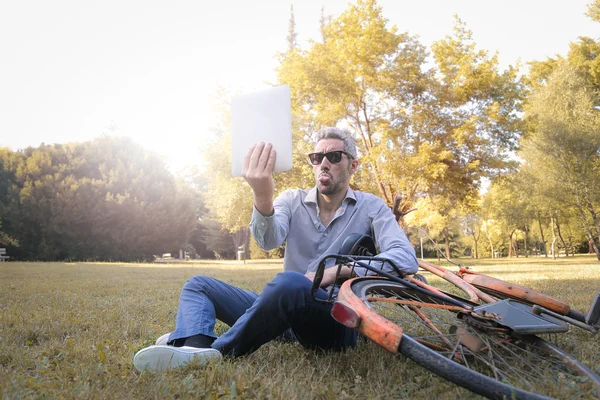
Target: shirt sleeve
<point>392,242</point>
<point>270,232</point>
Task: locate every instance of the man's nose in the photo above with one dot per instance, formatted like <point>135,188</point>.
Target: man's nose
<point>325,163</point>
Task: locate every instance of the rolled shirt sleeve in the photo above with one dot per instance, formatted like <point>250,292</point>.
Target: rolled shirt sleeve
<point>392,242</point>
<point>270,232</point>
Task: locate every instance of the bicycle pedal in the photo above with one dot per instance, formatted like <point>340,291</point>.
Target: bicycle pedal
<point>593,315</point>
<point>470,340</point>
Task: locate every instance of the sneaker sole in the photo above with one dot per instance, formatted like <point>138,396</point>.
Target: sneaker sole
<point>159,359</point>
<point>163,340</point>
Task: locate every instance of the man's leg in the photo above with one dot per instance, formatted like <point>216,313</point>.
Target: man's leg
<point>202,301</point>
<point>286,302</point>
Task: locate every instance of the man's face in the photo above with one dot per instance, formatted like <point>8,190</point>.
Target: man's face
<point>333,178</point>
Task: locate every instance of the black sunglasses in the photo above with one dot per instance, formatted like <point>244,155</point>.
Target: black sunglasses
<point>334,157</point>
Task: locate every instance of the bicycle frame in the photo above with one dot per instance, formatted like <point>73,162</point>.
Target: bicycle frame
<point>471,283</point>
<point>489,306</point>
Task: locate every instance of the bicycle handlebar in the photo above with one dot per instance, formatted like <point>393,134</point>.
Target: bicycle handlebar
<point>357,261</point>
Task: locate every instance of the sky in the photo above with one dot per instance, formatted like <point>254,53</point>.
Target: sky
<point>73,70</point>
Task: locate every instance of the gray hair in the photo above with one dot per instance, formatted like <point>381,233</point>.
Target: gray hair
<point>337,133</point>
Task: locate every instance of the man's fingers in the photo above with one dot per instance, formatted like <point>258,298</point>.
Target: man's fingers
<point>271,160</point>
<point>247,160</point>
<point>259,160</point>
<point>263,162</point>
<point>256,155</point>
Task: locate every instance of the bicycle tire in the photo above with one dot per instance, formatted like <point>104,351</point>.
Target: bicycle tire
<point>506,367</point>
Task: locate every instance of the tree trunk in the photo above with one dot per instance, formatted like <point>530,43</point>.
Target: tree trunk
<point>510,244</point>
<point>475,249</point>
<point>593,244</point>
<point>491,247</point>
<point>447,240</point>
<point>381,187</point>
<point>525,242</point>
<point>542,235</point>
<point>589,233</point>
<point>561,239</point>
<point>553,238</point>
<point>570,242</point>
<point>368,144</point>
<point>592,212</point>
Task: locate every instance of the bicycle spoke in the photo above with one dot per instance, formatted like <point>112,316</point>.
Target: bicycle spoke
<point>474,342</point>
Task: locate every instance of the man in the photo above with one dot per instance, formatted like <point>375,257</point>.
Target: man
<point>314,223</point>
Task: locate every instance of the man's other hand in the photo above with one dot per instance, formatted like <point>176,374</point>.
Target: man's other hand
<point>330,274</point>
<point>258,172</point>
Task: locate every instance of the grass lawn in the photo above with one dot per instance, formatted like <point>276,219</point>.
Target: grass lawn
<point>70,330</point>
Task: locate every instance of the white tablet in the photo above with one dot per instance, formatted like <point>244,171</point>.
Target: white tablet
<point>262,116</point>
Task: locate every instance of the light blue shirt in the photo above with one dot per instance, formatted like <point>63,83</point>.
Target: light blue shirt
<point>296,218</point>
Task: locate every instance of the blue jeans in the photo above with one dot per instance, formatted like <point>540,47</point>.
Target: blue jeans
<point>285,302</point>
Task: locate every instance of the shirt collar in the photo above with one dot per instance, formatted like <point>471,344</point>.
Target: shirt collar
<point>311,196</point>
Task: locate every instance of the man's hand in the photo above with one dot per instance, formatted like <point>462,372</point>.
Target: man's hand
<point>258,172</point>
<point>330,274</point>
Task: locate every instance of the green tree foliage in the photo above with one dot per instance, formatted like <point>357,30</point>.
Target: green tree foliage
<point>257,253</point>
<point>443,228</point>
<point>594,10</point>
<point>106,199</point>
<point>583,55</point>
<point>8,191</point>
<point>505,217</point>
<point>562,147</point>
<point>472,229</point>
<point>196,180</point>
<point>217,239</point>
<point>435,130</point>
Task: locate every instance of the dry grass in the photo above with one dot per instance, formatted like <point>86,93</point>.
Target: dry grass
<point>70,331</point>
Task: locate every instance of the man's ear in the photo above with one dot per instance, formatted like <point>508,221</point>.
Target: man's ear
<point>353,166</point>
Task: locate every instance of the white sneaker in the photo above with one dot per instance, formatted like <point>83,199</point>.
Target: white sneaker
<point>161,358</point>
<point>162,341</point>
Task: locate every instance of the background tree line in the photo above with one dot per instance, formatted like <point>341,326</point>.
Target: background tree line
<point>106,199</point>
<point>436,125</point>
<point>433,125</point>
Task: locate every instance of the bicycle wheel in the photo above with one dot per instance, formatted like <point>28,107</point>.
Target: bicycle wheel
<point>472,352</point>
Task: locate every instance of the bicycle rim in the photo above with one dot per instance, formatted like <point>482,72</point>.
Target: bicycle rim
<point>472,353</point>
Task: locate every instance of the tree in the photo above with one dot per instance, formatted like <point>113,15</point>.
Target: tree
<point>8,191</point>
<point>505,211</point>
<point>420,130</point>
<point>562,147</point>
<point>594,10</point>
<point>583,55</point>
<point>443,227</point>
<point>218,240</point>
<point>292,35</point>
<point>106,199</point>
<point>472,226</point>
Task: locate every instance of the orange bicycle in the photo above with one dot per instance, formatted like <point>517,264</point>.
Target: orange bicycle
<point>487,341</point>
